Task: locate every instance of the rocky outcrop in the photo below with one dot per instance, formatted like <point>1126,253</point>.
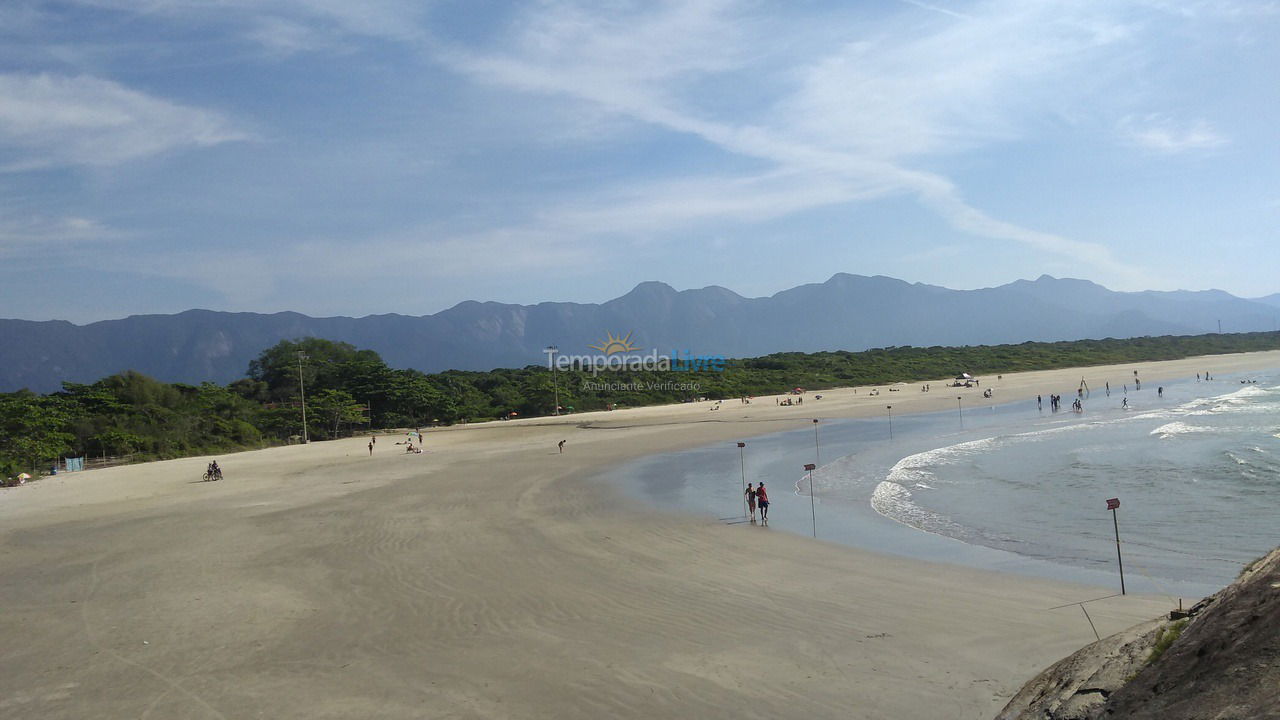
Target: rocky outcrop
<point>1224,665</point>
<point>1077,687</point>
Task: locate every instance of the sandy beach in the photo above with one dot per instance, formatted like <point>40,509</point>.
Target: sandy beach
<point>491,577</point>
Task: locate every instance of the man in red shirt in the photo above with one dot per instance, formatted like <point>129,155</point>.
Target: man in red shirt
<point>762,501</point>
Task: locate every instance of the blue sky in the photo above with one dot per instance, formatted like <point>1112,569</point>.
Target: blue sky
<point>348,158</point>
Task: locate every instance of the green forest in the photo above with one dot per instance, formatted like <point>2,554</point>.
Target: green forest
<point>349,390</point>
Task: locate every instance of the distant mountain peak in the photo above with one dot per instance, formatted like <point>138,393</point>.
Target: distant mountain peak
<point>846,312</point>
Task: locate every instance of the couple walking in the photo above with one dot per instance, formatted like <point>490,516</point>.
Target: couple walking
<point>758,496</point>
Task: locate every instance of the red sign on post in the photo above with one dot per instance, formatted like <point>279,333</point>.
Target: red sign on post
<point>810,466</point>
<point>1113,503</point>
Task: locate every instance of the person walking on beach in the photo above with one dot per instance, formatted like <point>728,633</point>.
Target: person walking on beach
<point>1039,403</point>
<point>762,499</point>
<point>751,502</point>
<point>561,446</point>
<point>370,448</point>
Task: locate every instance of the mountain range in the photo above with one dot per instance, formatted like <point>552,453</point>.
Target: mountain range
<point>847,312</point>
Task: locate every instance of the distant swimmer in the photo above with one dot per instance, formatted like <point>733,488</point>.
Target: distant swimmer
<point>762,499</point>
<point>561,446</point>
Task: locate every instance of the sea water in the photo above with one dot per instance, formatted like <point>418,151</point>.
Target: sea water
<point>1001,483</point>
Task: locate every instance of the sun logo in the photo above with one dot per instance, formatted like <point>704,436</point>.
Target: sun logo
<point>614,345</point>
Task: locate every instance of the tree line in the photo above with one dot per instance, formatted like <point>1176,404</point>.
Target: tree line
<point>348,390</point>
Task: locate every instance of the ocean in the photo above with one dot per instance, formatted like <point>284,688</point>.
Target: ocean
<point>1008,486</point>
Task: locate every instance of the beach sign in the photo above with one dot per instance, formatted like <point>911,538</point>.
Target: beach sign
<point>1113,504</point>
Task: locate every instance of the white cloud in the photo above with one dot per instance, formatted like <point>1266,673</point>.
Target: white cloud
<point>855,114</point>
<point>287,25</point>
<point>1162,134</point>
<point>50,120</point>
<point>27,235</point>
<point>951,85</point>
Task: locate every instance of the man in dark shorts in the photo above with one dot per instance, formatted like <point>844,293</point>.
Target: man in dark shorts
<point>762,500</point>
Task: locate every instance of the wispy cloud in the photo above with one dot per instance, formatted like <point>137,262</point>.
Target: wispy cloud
<point>51,120</point>
<point>286,24</point>
<point>858,112</point>
<point>1162,134</point>
<point>24,234</point>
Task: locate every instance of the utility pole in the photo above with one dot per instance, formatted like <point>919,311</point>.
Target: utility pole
<point>302,391</point>
<point>960,409</point>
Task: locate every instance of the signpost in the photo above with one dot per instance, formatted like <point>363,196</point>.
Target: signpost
<point>817,452</point>
<point>812,512</point>
<point>1113,504</point>
<point>890,409</point>
<point>742,459</point>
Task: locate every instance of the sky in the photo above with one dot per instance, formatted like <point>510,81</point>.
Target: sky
<point>349,158</point>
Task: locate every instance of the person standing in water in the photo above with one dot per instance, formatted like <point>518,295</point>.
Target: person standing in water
<point>751,502</point>
<point>762,499</point>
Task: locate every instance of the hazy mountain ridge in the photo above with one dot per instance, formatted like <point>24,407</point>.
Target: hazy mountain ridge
<point>847,312</point>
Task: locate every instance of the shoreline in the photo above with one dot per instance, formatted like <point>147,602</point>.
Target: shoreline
<point>492,576</point>
<point>697,483</point>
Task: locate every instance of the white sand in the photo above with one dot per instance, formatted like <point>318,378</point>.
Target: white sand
<point>491,578</point>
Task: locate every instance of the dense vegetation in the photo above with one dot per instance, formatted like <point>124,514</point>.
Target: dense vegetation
<point>349,389</point>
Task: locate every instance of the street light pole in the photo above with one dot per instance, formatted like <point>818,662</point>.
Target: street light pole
<point>555,379</point>
<point>302,391</point>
